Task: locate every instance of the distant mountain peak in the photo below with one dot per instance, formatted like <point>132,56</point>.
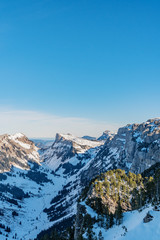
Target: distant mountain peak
<point>106,135</point>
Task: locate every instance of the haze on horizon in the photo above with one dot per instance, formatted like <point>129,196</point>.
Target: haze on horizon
<point>78,66</point>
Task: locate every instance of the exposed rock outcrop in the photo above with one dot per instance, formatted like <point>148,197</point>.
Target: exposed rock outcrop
<point>148,218</point>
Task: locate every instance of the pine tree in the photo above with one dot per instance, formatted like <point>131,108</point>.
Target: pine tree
<point>157,185</point>
<point>106,218</point>
<point>150,189</point>
<point>99,206</point>
<point>111,220</point>
<point>119,213</point>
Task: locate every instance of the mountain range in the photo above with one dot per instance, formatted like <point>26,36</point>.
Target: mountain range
<point>41,181</point>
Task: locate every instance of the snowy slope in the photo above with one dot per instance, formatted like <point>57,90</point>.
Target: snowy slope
<point>30,217</point>
<point>132,227</point>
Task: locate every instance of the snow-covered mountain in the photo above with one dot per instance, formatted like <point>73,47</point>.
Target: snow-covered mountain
<point>17,150</point>
<point>68,149</point>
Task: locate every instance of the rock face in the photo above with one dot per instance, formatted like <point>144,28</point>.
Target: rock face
<point>134,148</point>
<point>148,218</point>
<point>16,150</point>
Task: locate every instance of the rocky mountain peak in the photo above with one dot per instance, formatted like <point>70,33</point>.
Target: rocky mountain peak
<point>60,137</point>
<point>67,146</point>
<point>17,150</point>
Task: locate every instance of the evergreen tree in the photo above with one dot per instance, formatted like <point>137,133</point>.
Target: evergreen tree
<point>157,185</point>
<point>90,234</point>
<point>111,220</point>
<point>119,213</point>
<point>99,206</point>
<point>150,189</point>
<point>107,218</point>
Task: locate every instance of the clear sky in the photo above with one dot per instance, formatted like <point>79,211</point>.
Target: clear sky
<point>78,66</point>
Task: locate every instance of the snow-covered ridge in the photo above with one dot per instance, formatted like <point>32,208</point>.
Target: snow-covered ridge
<point>17,135</point>
<point>80,141</point>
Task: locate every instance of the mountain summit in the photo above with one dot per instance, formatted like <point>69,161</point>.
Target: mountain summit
<point>17,150</point>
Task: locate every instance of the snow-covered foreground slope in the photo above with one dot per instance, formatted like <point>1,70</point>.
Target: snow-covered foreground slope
<point>133,226</point>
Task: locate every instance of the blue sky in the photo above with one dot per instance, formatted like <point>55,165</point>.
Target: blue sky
<point>97,62</point>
